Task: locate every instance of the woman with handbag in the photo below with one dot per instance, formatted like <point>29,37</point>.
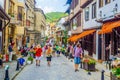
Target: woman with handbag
<point>49,55</point>
<point>77,56</point>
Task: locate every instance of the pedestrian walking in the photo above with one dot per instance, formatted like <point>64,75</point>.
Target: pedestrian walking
<point>109,56</point>
<point>54,49</point>
<point>44,50</point>
<point>63,50</point>
<point>77,56</point>
<point>10,50</point>
<point>49,55</point>
<point>38,55</point>
<point>67,51</point>
<point>58,50</point>
<point>1,61</point>
<point>71,52</point>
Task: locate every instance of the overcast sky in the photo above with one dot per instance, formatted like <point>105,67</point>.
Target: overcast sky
<point>52,5</point>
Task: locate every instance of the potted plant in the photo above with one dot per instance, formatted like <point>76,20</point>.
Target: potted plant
<point>115,73</point>
<point>30,60</point>
<point>89,64</point>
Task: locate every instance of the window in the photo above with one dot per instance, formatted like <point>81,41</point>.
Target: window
<point>27,23</point>
<point>76,3</point>
<point>74,25</point>
<point>11,8</point>
<point>72,5</point>
<point>87,14</point>
<point>20,13</point>
<point>28,39</point>
<point>107,1</point>
<point>100,3</point>
<point>79,19</point>
<point>94,10</point>
<point>0,25</point>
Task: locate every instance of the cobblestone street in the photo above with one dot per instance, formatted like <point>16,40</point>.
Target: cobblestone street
<point>61,69</point>
<point>12,69</point>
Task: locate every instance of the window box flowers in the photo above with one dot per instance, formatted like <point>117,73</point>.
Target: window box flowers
<point>89,64</point>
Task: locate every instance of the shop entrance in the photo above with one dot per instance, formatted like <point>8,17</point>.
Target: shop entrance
<point>117,41</point>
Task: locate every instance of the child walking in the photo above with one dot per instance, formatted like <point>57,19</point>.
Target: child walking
<point>49,55</point>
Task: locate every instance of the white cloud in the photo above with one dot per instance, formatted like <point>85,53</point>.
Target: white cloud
<point>48,9</point>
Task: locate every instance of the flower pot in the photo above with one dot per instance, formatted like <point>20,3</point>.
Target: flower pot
<point>85,66</point>
<point>29,62</point>
<point>89,67</point>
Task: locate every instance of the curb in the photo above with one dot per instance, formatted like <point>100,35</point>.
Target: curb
<point>18,73</point>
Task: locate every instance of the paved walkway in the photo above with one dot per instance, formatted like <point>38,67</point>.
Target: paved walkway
<point>61,69</point>
<point>12,70</point>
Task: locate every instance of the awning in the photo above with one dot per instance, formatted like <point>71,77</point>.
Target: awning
<point>69,38</point>
<point>83,34</point>
<point>107,27</point>
<point>72,37</point>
